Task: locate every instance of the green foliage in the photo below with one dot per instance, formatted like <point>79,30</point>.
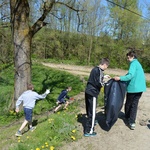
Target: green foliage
<point>43,78</point>
<point>148,84</point>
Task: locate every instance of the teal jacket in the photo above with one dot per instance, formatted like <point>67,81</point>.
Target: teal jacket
<point>136,81</point>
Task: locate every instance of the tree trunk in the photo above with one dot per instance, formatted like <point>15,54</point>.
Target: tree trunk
<point>22,45</point>
<point>90,50</point>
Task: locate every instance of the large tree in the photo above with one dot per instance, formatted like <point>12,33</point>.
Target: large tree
<point>23,32</point>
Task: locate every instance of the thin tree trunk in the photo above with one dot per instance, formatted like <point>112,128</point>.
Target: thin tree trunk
<point>90,49</point>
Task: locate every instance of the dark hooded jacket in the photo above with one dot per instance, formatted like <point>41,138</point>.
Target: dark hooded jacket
<point>95,82</point>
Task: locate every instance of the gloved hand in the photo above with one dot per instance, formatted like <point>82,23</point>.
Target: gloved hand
<point>47,91</point>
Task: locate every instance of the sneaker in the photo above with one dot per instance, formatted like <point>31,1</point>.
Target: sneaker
<point>132,126</point>
<point>32,129</point>
<point>18,133</point>
<point>90,134</point>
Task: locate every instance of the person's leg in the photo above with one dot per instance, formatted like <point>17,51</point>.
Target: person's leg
<point>66,104</point>
<point>56,109</point>
<point>128,103</point>
<point>91,107</point>
<point>86,103</point>
<point>23,125</point>
<point>93,114</point>
<point>134,106</point>
<point>28,118</point>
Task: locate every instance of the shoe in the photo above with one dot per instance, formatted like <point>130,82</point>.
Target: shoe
<point>132,126</point>
<point>18,133</point>
<point>32,129</point>
<point>90,134</point>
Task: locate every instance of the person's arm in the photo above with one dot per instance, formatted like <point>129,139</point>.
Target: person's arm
<point>46,93</point>
<point>67,96</point>
<point>100,78</point>
<point>130,74</point>
<point>19,101</point>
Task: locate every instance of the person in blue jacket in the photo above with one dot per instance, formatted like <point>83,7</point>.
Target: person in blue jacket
<point>28,98</point>
<point>136,85</point>
<point>62,98</point>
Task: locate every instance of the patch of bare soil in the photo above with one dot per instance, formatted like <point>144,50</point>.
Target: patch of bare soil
<point>119,137</point>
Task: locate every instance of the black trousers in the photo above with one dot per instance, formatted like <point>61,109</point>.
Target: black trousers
<point>90,103</point>
<point>131,105</point>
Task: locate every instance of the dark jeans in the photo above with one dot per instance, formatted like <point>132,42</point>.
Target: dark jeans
<point>131,105</point>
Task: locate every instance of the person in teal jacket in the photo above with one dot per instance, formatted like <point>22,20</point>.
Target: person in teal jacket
<point>136,85</point>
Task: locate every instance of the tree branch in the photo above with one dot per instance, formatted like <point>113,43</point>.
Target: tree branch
<point>47,7</point>
<point>40,22</point>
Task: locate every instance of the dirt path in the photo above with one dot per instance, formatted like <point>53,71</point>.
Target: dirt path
<point>85,70</point>
<point>120,137</point>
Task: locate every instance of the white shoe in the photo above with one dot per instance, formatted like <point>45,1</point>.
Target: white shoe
<point>132,126</point>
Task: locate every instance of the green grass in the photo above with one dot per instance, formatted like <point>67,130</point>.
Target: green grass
<point>148,84</point>
<point>52,130</point>
<point>42,78</point>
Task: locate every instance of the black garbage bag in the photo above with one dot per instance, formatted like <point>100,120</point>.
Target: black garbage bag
<point>114,94</point>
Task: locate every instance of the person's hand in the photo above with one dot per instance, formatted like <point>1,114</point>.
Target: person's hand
<point>116,78</point>
<point>47,91</point>
<point>106,76</point>
<point>17,110</point>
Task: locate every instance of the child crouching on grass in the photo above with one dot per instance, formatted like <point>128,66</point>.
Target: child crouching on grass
<point>62,98</point>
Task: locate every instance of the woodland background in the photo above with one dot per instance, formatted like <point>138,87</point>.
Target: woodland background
<point>77,31</point>
<point>103,30</point>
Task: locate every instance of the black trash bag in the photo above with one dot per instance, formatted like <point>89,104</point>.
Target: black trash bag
<point>114,94</point>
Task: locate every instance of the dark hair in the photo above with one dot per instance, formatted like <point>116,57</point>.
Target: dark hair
<point>104,61</point>
<point>30,86</point>
<point>131,54</point>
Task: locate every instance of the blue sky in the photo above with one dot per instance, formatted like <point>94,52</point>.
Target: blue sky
<point>143,4</point>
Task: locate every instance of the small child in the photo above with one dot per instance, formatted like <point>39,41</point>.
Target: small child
<point>62,98</point>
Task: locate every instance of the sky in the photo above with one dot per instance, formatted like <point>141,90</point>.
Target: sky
<point>142,4</point>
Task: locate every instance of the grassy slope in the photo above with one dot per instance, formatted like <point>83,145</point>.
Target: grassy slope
<point>52,129</point>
